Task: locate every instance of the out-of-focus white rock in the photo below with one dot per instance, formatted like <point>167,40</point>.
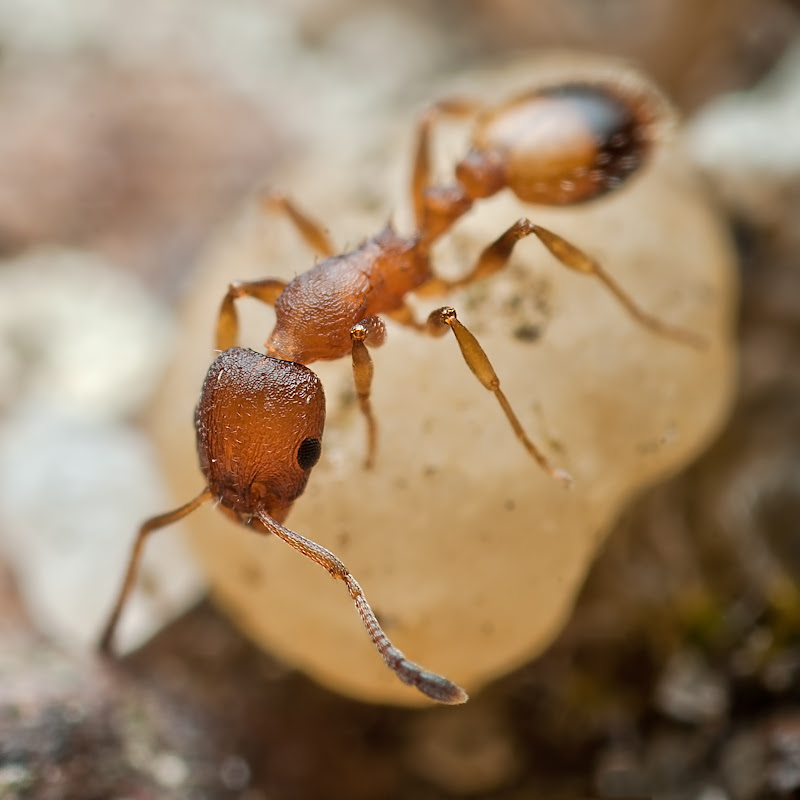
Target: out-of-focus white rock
<point>82,346</point>
<point>469,553</point>
<point>749,144</point>
<point>79,335</point>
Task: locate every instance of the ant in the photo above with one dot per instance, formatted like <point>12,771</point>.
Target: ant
<point>260,418</point>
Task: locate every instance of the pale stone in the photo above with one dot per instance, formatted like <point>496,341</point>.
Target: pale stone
<point>470,554</point>
<point>82,347</point>
<point>748,144</point>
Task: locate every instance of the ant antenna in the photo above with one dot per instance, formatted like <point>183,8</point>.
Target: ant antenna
<point>434,686</point>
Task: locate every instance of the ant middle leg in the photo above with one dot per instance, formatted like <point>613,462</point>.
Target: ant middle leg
<point>477,360</point>
<point>372,331</point>
<point>482,368</point>
<point>312,233</point>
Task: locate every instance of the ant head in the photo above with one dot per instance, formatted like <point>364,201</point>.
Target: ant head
<point>259,431</point>
<point>564,144</point>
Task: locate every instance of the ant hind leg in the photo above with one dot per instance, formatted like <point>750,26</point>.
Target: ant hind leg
<point>492,259</point>
<point>421,170</point>
<point>496,256</point>
<point>575,259</point>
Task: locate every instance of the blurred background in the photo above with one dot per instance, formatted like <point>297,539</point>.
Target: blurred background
<point>129,136</point>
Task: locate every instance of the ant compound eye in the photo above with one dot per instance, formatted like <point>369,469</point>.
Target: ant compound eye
<point>308,453</point>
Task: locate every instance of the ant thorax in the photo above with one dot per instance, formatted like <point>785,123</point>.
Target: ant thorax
<point>317,310</point>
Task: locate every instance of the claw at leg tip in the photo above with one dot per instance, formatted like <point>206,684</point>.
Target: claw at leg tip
<point>563,476</point>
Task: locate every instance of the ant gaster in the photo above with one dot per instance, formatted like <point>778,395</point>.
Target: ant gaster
<point>260,418</point>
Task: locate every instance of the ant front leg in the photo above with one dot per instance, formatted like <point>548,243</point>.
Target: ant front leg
<point>370,331</point>
<point>267,291</point>
<point>152,524</point>
<point>482,368</point>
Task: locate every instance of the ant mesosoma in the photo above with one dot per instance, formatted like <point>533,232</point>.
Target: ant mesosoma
<point>260,418</point>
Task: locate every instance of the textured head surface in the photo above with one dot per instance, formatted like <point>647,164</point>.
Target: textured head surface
<point>259,427</point>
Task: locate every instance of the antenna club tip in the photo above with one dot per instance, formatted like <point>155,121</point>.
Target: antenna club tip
<point>459,696</point>
<point>442,690</point>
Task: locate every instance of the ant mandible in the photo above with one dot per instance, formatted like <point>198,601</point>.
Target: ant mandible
<point>260,418</point>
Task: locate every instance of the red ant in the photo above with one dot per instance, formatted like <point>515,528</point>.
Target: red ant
<point>260,418</point>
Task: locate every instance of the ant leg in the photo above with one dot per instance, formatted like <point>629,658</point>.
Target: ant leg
<point>493,259</point>
<point>482,368</point>
<point>312,233</point>
<point>404,315</point>
<point>496,256</point>
<point>575,259</point>
<point>421,171</point>
<point>434,686</point>
<point>267,291</point>
<point>150,525</point>
<point>372,330</point>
